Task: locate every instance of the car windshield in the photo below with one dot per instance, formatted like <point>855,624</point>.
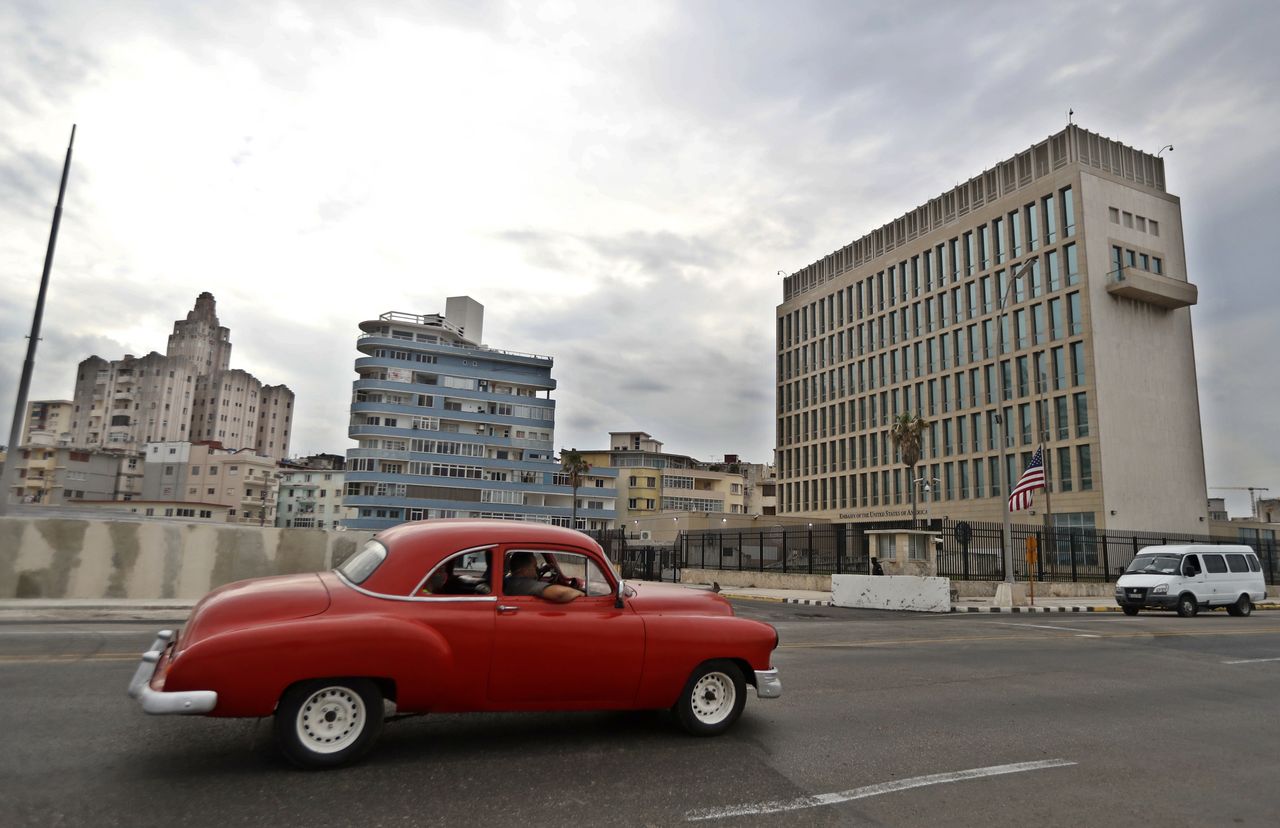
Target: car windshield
<point>362,564</point>
<point>1155,564</point>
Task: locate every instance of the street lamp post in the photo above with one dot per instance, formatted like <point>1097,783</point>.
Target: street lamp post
<point>1007,537</point>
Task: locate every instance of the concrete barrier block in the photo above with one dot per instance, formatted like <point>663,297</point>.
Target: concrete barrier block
<point>892,592</point>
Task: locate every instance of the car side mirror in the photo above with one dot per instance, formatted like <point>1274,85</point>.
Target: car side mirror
<point>617,600</point>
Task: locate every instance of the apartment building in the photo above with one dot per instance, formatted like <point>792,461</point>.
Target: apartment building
<point>448,427</point>
<point>244,483</point>
<point>653,481</point>
<point>311,492</point>
<point>188,393</point>
<point>54,475</point>
<point>50,418</point>
<point>1088,351</point>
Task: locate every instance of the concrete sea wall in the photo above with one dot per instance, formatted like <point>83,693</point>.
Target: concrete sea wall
<point>69,558</point>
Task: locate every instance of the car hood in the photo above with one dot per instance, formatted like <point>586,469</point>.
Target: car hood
<point>1144,580</point>
<point>256,602</point>
<point>677,600</point>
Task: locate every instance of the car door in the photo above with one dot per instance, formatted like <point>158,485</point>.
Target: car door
<point>461,623</point>
<point>551,655</point>
<point>1215,571</point>
<point>1191,577</point>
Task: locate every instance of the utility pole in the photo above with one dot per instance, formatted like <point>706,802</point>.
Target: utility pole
<point>28,365</point>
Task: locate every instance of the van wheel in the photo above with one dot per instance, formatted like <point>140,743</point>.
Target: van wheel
<point>1130,610</point>
<point>1187,606</point>
<point>328,722</point>
<point>1243,607</point>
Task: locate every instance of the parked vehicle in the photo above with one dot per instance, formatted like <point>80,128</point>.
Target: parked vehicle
<point>1189,578</point>
<point>431,617</point>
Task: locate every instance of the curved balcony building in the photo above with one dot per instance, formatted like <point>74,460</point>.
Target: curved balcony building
<point>447,427</point>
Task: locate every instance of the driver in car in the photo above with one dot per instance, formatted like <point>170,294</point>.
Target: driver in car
<point>523,580</point>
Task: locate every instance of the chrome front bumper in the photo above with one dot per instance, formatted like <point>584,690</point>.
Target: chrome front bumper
<point>159,703</point>
<point>768,685</point>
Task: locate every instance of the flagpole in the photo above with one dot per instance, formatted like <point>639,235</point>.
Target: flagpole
<point>24,384</point>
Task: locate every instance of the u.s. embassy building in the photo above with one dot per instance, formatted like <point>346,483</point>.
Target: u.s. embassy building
<point>1097,362</point>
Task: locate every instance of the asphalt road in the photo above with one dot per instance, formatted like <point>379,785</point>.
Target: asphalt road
<point>1087,719</point>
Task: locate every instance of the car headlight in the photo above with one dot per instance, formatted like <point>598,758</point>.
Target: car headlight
<point>1160,590</point>
<point>1119,589</point>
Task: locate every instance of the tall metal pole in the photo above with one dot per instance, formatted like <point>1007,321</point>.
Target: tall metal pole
<point>1007,538</point>
<point>24,384</point>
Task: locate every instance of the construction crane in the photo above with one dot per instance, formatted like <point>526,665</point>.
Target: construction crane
<point>1253,499</point>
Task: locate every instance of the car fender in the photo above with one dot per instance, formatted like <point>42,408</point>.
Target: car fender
<point>251,668</point>
<point>676,644</point>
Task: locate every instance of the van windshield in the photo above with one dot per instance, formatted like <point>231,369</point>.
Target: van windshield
<point>1155,564</point>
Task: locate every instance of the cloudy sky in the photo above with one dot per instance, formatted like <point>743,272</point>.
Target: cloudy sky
<point>618,183</point>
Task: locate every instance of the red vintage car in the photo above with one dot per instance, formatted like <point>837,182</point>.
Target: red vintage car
<point>454,616</point>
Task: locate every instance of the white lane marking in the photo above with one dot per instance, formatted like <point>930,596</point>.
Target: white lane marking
<point>780,805</point>
<point>1251,660</point>
<point>1041,626</point>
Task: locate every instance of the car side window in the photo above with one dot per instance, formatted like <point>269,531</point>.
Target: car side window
<point>529,573</point>
<point>1237,563</point>
<point>1190,566</point>
<point>466,573</point>
<point>1214,563</point>
<point>1253,563</point>
<point>583,570</point>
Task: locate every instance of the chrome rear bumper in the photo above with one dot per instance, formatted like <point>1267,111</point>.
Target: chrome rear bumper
<point>768,685</point>
<point>160,703</point>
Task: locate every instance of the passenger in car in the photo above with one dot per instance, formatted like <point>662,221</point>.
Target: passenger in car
<point>522,579</point>
<point>444,582</point>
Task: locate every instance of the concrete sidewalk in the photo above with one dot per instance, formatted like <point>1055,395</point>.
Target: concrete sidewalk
<point>1042,605</point>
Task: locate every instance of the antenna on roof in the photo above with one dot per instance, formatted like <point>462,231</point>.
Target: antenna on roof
<point>1070,112</point>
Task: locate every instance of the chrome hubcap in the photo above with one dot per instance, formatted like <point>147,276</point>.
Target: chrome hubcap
<point>331,719</point>
<point>713,698</point>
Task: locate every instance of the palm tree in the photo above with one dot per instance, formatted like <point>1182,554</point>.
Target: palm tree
<point>573,464</point>
<point>906,433</point>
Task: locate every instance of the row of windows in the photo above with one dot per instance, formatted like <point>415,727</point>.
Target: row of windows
<point>691,504</point>
<point>1122,258</point>
<point>1027,424</point>
<point>1046,212</point>
<point>1036,325</point>
<point>1130,220</point>
<point>1031,375</point>
<point>973,301</point>
<point>1071,470</point>
<point>948,263</point>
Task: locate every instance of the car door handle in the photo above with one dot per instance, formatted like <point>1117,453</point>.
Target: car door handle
<point>507,609</point>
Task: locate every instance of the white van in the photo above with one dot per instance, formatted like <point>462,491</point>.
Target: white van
<point>1187,578</point>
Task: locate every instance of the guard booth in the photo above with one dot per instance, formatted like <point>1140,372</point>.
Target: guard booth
<point>904,551</point>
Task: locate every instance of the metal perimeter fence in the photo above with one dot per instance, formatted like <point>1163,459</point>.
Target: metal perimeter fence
<point>1064,554</point>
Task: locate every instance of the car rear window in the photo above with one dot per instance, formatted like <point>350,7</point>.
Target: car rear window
<point>361,565</point>
<point>1214,563</point>
<point>1237,563</point>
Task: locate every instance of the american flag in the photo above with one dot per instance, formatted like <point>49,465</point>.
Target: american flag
<point>1032,479</point>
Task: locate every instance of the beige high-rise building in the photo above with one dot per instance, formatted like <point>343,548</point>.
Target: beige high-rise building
<point>1096,362</point>
<point>188,393</point>
<point>49,418</point>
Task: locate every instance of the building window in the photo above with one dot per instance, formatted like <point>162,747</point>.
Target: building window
<point>1085,461</point>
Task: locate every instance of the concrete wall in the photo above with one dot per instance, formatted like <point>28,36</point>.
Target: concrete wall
<point>68,558</point>
<point>987,589</point>
<point>762,580</point>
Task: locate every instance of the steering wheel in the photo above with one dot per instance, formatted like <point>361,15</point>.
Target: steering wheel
<point>548,573</point>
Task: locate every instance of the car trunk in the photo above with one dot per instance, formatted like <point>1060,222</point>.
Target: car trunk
<point>253,603</point>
